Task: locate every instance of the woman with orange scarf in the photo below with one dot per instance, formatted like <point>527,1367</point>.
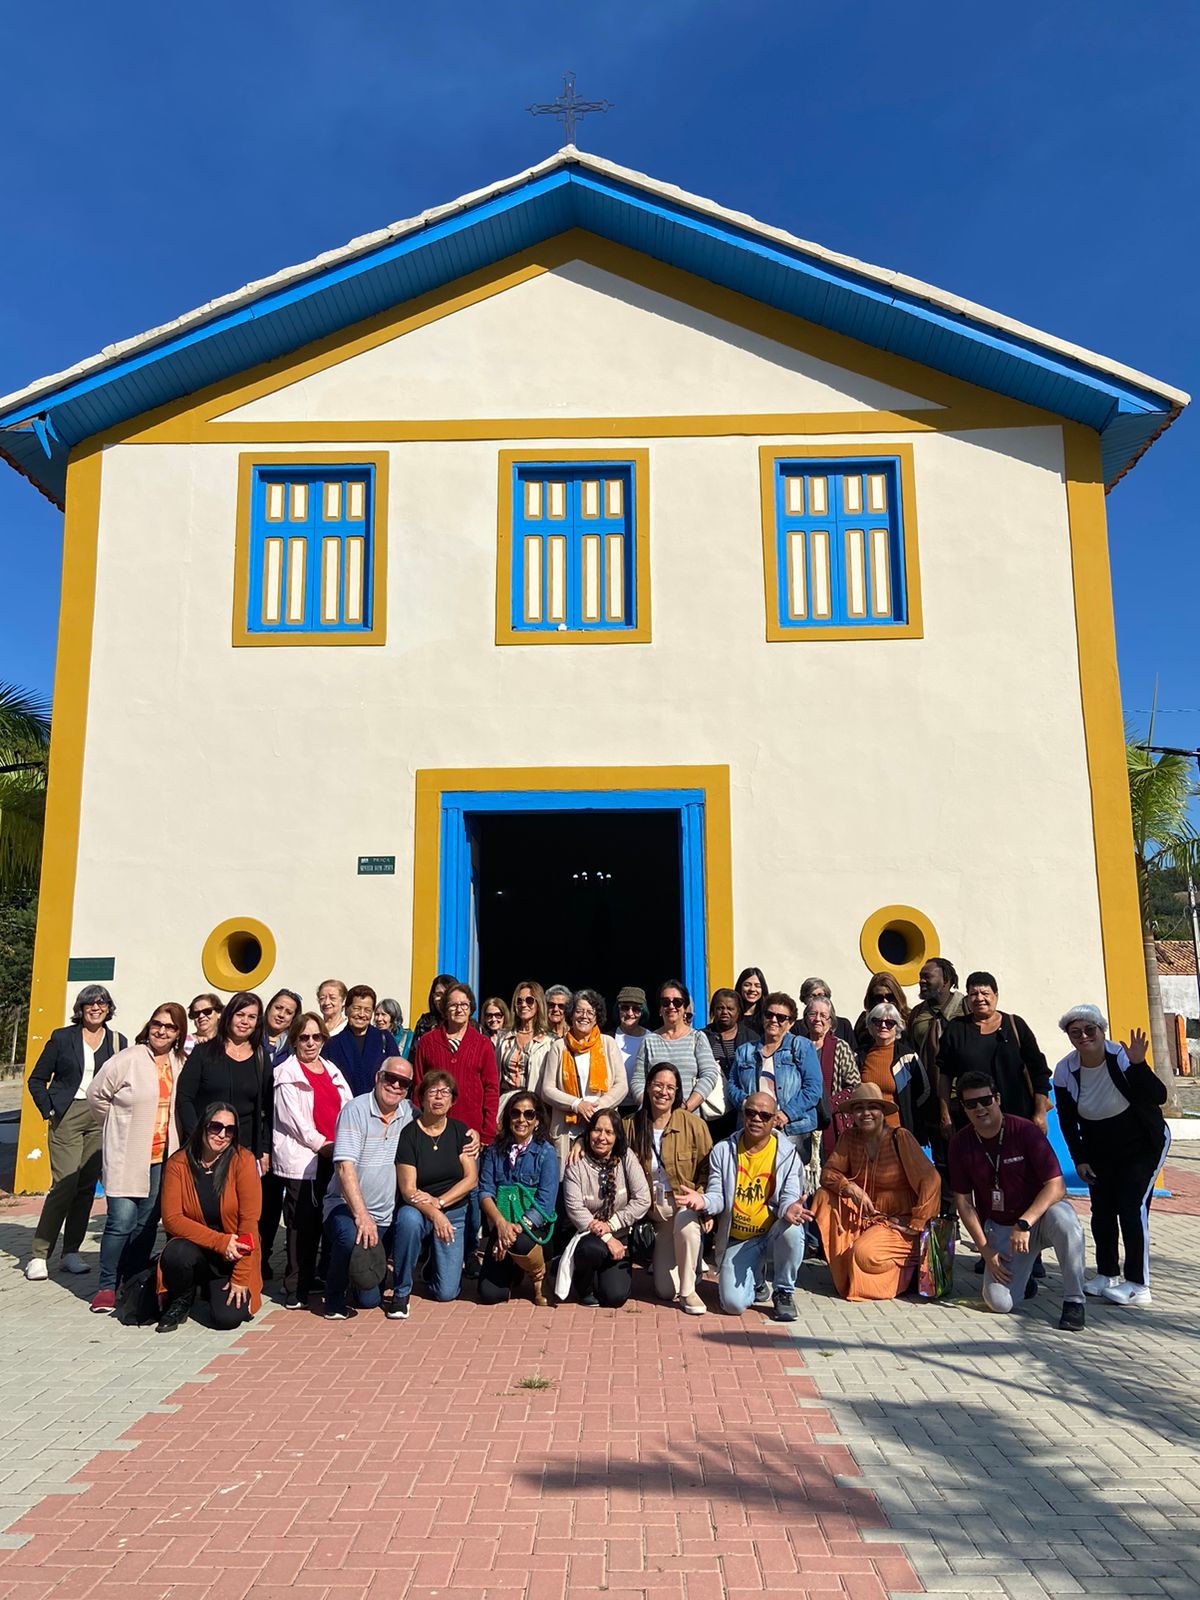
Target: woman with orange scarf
<point>584,1073</point>
<point>878,1190</point>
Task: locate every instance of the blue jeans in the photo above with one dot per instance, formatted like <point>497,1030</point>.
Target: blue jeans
<point>340,1232</point>
<point>411,1229</point>
<point>744,1263</point>
<point>130,1229</point>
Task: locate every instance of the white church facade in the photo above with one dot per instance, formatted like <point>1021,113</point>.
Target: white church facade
<point>585,582</point>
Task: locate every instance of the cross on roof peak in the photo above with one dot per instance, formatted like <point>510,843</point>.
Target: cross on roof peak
<point>568,107</point>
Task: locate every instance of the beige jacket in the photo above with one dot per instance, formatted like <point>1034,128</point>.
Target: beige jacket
<point>562,1105</point>
<point>123,1096</point>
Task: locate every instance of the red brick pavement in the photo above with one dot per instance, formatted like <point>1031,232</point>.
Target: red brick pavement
<point>1185,1193</point>
<point>336,1461</point>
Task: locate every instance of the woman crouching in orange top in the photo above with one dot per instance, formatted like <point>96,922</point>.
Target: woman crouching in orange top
<point>878,1190</point>
<point>211,1203</point>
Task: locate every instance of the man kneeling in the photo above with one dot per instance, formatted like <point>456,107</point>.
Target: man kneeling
<point>1012,1200</point>
<point>754,1190</point>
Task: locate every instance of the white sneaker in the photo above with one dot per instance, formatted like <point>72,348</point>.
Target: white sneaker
<point>1128,1294</point>
<point>1097,1285</point>
<point>37,1271</point>
<point>75,1263</point>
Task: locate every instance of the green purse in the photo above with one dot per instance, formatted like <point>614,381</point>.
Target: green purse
<point>515,1203</point>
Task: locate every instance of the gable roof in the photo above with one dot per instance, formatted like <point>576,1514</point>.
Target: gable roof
<point>274,316</point>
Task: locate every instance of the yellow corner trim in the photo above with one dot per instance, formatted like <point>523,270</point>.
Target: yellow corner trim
<point>196,418</point>
<point>219,960</point>
<point>1104,733</point>
<point>432,783</point>
<point>640,632</point>
<point>377,632</point>
<point>60,850</point>
<point>919,934</point>
<point>768,455</point>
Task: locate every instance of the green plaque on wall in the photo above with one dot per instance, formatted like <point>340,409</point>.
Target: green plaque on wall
<point>91,969</point>
<point>376,866</point>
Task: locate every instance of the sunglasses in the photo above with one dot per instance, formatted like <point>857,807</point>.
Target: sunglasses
<point>220,1130</point>
<point>671,1003</point>
<point>522,1116</point>
<point>395,1080</point>
<point>309,1038</point>
<point>201,1012</point>
<point>525,1000</point>
<point>884,1022</point>
<point>1083,1030</point>
<point>162,1027</point>
<point>627,1006</point>
<point>758,1116</point>
<point>979,1104</point>
<point>492,1016</point>
<point>778,1016</point>
<point>556,1005</point>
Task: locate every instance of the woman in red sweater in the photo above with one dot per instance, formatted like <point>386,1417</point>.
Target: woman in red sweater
<point>456,1047</point>
<point>211,1204</point>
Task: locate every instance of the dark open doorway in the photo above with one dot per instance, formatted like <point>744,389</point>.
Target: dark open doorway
<point>578,897</point>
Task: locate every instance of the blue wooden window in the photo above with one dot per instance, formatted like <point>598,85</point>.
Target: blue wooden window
<point>574,565</point>
<point>312,536</point>
<point>840,543</point>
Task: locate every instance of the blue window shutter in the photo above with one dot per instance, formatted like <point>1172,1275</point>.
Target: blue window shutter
<point>840,543</point>
<point>312,536</point>
<point>574,559</point>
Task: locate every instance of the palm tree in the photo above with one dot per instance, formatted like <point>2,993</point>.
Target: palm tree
<point>24,743</point>
<point>1160,792</point>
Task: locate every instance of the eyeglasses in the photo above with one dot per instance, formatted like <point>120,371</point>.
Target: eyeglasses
<point>583,1014</point>
<point>525,1000</point>
<point>309,1038</point>
<point>395,1081</point>
<point>437,1088</point>
<point>220,1130</point>
<point>522,1116</point>
<point>980,1104</point>
<point>162,1027</point>
<point>757,1116</point>
<point>556,1005</point>
<point>458,1005</point>
<point>781,1017</point>
<point>91,1005</point>
<point>671,1002</point>
<point>884,1022</point>
<point>492,1016</point>
<point>1083,1030</point>
<point>201,1012</point>
<point>629,1006</point>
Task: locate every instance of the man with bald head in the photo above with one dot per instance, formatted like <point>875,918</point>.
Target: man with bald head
<point>755,1193</point>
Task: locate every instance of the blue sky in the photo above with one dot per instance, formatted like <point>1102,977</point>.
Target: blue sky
<point>1041,159</point>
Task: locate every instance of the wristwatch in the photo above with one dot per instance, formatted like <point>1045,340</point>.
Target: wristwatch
<point>1023,1225</point>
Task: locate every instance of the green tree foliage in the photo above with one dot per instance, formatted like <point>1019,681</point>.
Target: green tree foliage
<point>18,923</point>
<point>25,743</point>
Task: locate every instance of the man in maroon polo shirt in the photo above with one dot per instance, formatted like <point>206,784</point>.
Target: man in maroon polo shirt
<point>1012,1200</point>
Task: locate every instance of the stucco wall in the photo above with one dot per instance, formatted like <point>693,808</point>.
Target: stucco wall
<point>947,772</point>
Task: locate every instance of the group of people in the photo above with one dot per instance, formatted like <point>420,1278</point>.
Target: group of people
<point>541,1149</point>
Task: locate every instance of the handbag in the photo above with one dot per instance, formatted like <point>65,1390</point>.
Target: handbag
<point>935,1272</point>
<point>712,1107</point>
<point>642,1237</point>
<point>515,1203</point>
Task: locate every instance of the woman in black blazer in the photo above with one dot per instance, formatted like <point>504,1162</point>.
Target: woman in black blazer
<point>232,1067</point>
<point>57,1087</point>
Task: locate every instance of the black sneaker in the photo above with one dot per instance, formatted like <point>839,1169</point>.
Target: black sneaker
<point>1039,1269</point>
<point>175,1315</point>
<point>1073,1316</point>
<point>1031,1289</point>
<point>293,1302</point>
<point>397,1311</point>
<point>336,1314</point>
<point>785,1306</point>
<point>588,1300</point>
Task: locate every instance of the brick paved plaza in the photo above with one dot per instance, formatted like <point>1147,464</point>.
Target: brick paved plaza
<point>870,1451</point>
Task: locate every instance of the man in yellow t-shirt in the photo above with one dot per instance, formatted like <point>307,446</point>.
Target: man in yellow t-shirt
<point>754,1190</point>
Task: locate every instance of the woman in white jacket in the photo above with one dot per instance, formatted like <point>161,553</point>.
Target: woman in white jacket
<point>309,1095</point>
<point>584,1073</point>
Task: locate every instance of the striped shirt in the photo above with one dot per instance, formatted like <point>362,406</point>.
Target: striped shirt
<point>365,1139</point>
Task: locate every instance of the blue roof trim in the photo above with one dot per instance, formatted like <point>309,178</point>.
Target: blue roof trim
<point>487,232</point>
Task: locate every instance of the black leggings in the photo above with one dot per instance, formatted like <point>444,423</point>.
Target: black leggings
<point>595,1272</point>
<point>1121,1198</point>
<point>186,1266</point>
<point>497,1279</point>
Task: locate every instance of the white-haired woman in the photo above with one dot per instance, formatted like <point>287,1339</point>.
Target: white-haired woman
<point>890,1061</point>
<point>839,1069</point>
<point>1108,1098</point>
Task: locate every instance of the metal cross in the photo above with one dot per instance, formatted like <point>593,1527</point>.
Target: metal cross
<point>567,107</point>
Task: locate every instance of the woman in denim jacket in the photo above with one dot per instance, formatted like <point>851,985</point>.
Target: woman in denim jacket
<point>521,1154</point>
<point>784,1066</point>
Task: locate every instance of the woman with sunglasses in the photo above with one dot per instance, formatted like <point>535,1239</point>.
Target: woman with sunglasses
<point>204,1014</point>
<point>211,1201</point>
<point>494,1019</point>
<point>309,1095</point>
<point>1109,1101</point>
<point>894,1067</point>
<point>878,1190</point>
<point>518,1192</point>
<point>133,1099</point>
<point>522,1048</point>
<point>233,1067</point>
<point>680,1045</point>
<point>883,990</point>
<point>784,1066</point>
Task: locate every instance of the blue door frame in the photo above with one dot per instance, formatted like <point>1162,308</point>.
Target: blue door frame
<point>457,940</point>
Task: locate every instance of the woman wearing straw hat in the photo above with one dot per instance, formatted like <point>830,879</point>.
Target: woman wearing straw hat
<point>878,1190</point>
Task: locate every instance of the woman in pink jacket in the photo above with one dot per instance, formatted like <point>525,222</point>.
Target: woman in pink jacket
<point>309,1094</point>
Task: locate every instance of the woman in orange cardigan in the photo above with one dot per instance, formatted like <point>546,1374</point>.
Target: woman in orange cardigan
<point>211,1203</point>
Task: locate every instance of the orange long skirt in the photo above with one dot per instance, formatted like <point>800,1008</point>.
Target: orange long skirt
<point>871,1263</point>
